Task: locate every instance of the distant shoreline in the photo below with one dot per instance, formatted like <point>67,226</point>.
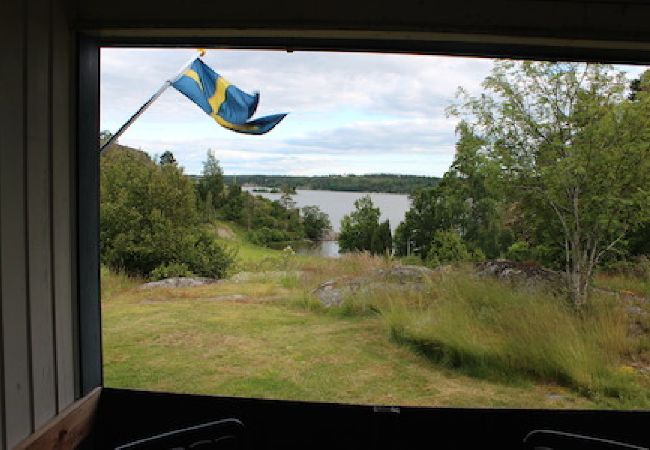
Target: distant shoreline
<point>371,183</point>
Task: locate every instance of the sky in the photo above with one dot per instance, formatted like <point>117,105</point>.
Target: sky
<point>348,112</point>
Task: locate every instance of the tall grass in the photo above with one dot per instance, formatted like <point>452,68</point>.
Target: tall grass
<point>489,329</point>
<point>113,283</point>
<point>623,283</point>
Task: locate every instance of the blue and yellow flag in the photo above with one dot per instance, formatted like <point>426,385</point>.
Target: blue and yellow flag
<point>228,105</point>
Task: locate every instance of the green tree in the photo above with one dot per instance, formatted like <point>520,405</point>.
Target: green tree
<point>573,154</point>
<point>148,218</point>
<point>446,247</point>
<point>315,222</point>
<point>469,199</point>
<point>641,84</point>
<point>358,227</point>
<point>104,136</point>
<point>381,242</point>
<point>167,158</point>
<point>234,203</point>
<point>210,187</point>
<point>413,236</point>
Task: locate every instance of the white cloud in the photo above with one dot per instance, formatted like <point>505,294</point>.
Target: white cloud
<point>349,112</point>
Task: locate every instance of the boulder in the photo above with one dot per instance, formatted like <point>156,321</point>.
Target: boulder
<point>333,292</point>
<point>519,272</point>
<point>179,282</point>
<point>268,275</point>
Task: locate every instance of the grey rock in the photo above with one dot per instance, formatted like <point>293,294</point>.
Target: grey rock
<point>332,293</point>
<point>329,295</point>
<point>555,396</point>
<point>513,271</point>
<point>179,282</point>
<point>269,275</point>
<point>231,297</point>
<point>634,310</point>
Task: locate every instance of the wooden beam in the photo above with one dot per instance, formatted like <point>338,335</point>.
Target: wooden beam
<point>68,429</point>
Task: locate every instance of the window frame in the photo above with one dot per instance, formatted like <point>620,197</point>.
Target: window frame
<point>90,42</point>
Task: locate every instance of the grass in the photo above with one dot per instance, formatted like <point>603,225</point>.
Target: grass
<point>459,341</point>
<point>188,340</point>
<point>623,283</point>
<point>491,330</point>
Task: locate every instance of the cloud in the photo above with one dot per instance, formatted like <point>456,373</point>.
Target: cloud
<point>380,137</point>
<point>300,81</point>
<point>349,112</point>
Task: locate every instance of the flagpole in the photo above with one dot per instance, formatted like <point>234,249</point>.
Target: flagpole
<point>149,102</point>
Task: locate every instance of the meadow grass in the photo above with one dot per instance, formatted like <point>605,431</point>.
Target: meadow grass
<point>456,341</point>
<point>623,283</point>
<point>491,330</point>
<point>188,340</point>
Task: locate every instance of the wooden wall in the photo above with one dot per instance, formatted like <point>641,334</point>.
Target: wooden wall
<point>37,345</point>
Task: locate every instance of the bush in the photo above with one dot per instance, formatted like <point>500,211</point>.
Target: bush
<point>519,251</point>
<point>149,219</point>
<point>638,267</point>
<point>477,255</point>
<point>447,247</point>
<point>170,270</point>
<point>207,258</point>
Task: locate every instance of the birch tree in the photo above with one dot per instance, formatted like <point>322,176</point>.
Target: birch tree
<point>573,152</point>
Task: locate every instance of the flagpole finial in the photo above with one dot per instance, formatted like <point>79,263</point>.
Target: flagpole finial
<point>201,51</point>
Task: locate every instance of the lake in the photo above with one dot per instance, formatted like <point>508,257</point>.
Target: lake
<point>336,204</point>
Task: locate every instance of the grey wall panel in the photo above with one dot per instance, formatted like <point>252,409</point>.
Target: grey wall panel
<point>37,302</point>
<point>13,260</point>
<point>62,211</point>
<point>39,210</point>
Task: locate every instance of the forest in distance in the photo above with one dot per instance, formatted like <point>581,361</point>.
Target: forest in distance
<point>550,181</point>
<point>387,183</point>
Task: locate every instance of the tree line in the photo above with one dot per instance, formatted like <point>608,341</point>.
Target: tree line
<point>389,183</point>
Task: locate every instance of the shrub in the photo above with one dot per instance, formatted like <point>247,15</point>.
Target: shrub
<point>446,247</point>
<point>148,218</point>
<point>519,251</point>
<point>170,270</point>
<point>207,258</point>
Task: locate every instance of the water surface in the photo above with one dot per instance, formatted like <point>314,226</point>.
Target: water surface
<point>337,204</point>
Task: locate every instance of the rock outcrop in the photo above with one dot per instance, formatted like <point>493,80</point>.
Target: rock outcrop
<point>518,272</point>
<point>179,282</point>
<point>333,292</point>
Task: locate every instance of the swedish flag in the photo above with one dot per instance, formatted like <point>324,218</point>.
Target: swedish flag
<point>228,105</point>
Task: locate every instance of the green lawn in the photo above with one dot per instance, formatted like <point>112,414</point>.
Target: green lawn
<point>197,341</point>
<point>459,342</point>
